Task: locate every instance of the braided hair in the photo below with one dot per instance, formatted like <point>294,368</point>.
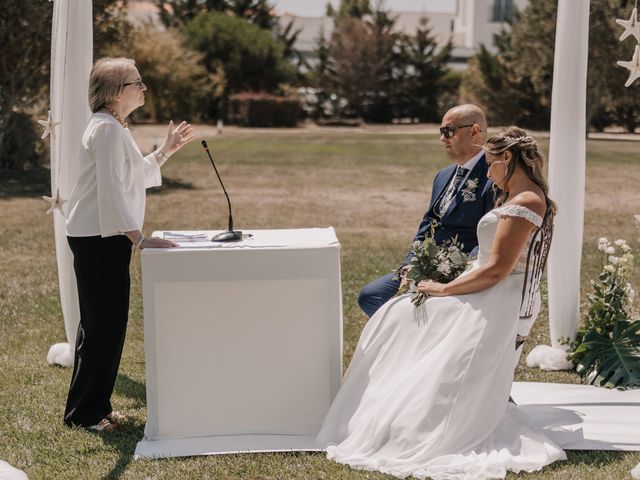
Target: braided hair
<point>524,152</point>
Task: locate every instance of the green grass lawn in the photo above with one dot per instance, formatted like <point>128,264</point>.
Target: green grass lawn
<point>372,188</point>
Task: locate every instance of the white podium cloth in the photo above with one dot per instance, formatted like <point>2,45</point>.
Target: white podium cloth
<point>582,417</point>
<point>243,343</point>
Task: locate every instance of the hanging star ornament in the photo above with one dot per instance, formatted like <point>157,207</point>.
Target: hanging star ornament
<point>631,26</point>
<point>633,66</point>
<point>55,203</point>
<point>49,127</point>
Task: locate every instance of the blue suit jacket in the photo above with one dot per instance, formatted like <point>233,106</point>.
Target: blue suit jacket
<point>461,218</point>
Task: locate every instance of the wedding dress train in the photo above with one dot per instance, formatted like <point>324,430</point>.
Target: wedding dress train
<point>426,391</point>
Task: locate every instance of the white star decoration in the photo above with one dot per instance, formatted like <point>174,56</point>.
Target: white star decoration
<point>49,127</point>
<point>633,66</point>
<point>631,26</point>
<point>55,203</point>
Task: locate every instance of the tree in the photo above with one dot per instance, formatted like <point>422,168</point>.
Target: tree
<point>25,52</point>
<point>426,76</point>
<point>25,56</point>
<point>349,9</point>
<point>608,101</point>
<point>250,57</point>
<point>175,13</point>
<point>382,73</point>
<point>357,64</point>
<point>514,84</point>
<point>507,87</point>
<point>179,86</point>
<point>288,36</point>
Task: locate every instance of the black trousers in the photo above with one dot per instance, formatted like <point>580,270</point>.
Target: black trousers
<point>102,273</point>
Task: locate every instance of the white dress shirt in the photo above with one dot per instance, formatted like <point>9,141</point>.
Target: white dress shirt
<point>469,165</point>
<point>109,196</point>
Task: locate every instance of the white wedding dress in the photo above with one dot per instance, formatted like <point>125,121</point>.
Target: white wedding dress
<point>426,393</point>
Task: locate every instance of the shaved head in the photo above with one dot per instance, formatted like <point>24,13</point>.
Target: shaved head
<point>469,113</point>
<point>469,134</point>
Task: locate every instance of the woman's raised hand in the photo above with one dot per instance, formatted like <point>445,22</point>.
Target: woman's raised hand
<point>177,137</point>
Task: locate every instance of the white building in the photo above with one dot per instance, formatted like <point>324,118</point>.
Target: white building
<point>473,23</point>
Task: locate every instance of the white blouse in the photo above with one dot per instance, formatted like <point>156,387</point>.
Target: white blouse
<point>109,196</point>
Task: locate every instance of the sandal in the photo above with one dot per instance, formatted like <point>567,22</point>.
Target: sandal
<point>104,425</point>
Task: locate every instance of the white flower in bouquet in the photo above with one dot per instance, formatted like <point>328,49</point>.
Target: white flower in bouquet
<point>625,248</point>
<point>620,242</point>
<point>613,260</point>
<point>444,268</point>
<point>609,268</point>
<point>610,250</point>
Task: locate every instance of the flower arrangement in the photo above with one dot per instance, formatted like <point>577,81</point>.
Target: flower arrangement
<point>606,350</point>
<point>441,263</point>
<point>469,190</point>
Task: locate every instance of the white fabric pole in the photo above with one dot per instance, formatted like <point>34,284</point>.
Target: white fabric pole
<point>71,61</point>
<point>566,177</point>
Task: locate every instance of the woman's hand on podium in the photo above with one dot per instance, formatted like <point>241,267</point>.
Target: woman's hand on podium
<point>156,242</point>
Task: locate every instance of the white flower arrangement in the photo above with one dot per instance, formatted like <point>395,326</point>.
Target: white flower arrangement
<point>606,349</point>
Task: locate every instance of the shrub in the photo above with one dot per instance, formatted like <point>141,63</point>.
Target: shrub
<point>252,109</point>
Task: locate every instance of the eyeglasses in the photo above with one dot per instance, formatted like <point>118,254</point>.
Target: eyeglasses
<point>449,132</point>
<point>138,83</point>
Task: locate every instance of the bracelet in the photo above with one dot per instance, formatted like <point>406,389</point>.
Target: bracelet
<point>163,156</point>
<point>139,244</point>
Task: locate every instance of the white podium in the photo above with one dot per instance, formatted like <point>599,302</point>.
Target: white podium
<point>243,342</point>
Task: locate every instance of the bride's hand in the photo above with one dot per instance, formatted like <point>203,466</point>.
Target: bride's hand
<point>431,288</point>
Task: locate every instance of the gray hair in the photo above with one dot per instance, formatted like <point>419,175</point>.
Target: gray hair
<point>107,80</point>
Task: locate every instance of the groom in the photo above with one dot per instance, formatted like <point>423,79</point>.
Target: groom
<point>461,195</point>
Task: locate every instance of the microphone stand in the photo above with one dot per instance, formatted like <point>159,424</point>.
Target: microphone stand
<point>230,235</point>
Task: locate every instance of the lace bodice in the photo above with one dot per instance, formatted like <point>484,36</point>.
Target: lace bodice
<point>488,225</point>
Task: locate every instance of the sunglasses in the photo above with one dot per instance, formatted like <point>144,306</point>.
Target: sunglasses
<point>449,132</point>
<point>138,83</point>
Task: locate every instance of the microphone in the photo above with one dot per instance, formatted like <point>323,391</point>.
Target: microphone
<point>230,235</point>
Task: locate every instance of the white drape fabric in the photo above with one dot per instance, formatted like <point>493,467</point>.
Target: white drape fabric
<point>7,472</point>
<point>567,167</point>
<point>71,60</point>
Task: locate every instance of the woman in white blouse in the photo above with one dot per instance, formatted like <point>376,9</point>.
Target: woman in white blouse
<point>106,213</point>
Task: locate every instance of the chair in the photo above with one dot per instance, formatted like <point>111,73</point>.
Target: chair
<point>536,261</point>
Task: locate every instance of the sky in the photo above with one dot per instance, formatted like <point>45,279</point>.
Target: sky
<point>316,8</point>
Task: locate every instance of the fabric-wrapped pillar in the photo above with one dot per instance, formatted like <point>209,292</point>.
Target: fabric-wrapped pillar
<point>71,61</point>
<point>567,179</point>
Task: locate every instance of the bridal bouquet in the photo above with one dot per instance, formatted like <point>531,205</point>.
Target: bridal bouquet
<point>440,263</point>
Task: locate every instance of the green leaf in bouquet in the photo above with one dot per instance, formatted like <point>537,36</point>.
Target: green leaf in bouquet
<point>431,248</point>
<point>458,257</point>
<point>612,362</point>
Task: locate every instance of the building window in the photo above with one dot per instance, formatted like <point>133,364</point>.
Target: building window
<point>502,11</point>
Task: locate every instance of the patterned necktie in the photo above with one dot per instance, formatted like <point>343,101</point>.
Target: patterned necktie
<point>451,190</point>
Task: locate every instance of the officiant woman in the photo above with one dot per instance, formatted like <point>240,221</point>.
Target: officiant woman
<point>104,224</point>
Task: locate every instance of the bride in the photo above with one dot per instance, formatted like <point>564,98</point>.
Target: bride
<point>426,393</point>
